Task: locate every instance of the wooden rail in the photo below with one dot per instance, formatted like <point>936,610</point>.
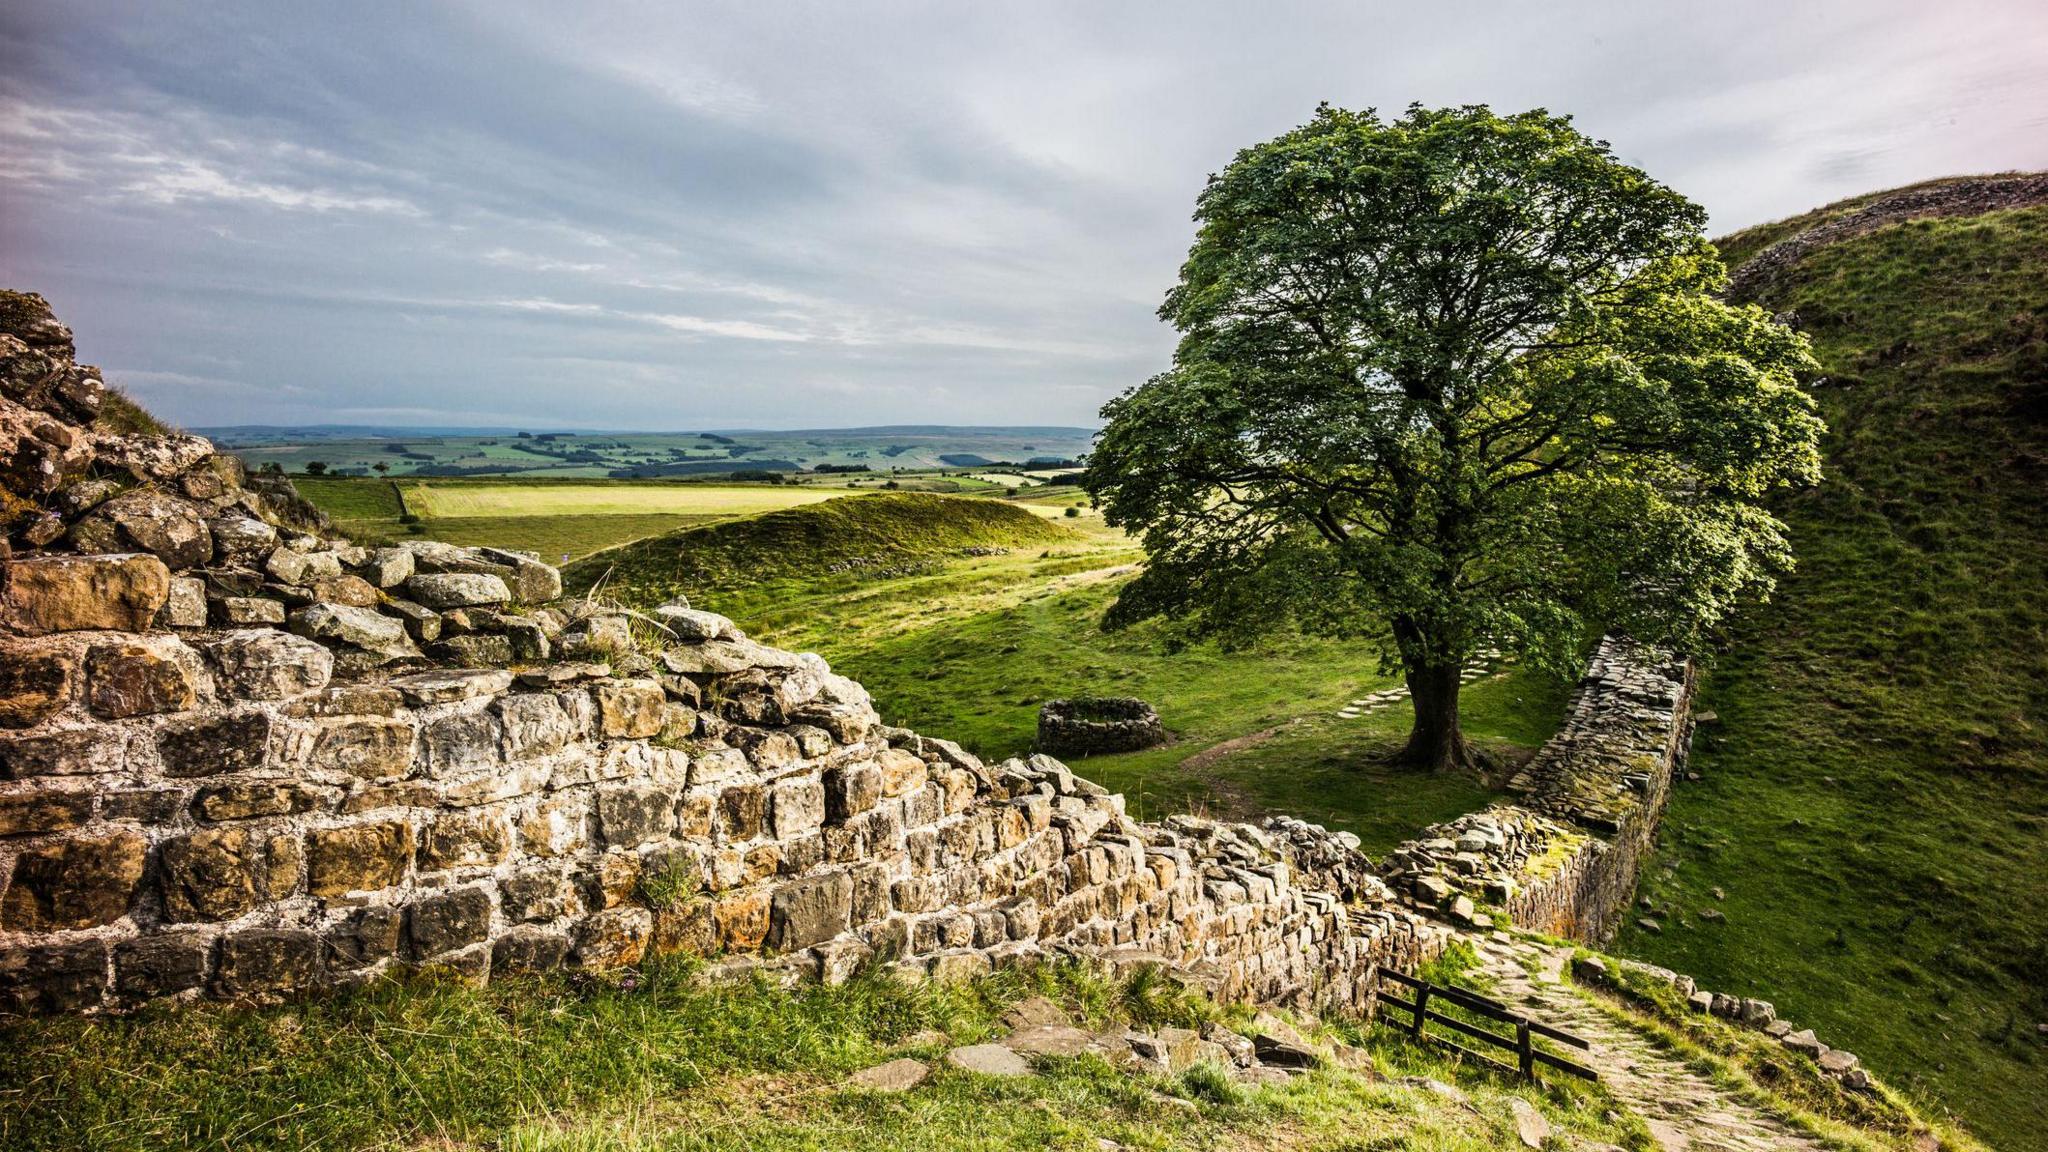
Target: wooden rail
<point>1523,1043</point>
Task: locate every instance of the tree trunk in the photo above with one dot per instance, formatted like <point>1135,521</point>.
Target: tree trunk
<point>1436,742</point>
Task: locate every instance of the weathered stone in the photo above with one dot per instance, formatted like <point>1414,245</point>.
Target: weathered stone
<point>153,674</point>
<point>446,686</point>
<point>527,949</point>
<point>71,593</point>
<point>444,590</point>
<point>632,814</point>
<point>466,839</point>
<point>528,640</point>
<point>82,882</point>
<point>212,874</point>
<point>244,801</point>
<point>381,637</point>
<point>538,894</point>
<point>238,610</point>
<point>366,937</point>
<point>161,524</point>
<point>236,742</point>
<point>797,806</point>
<point>366,747</point>
<point>152,966</point>
<point>422,624</point>
<point>55,978</point>
<point>629,708</point>
<point>43,810</point>
<point>810,912</point>
<point>894,1076</point>
<point>988,1060</point>
<point>851,790</point>
<point>740,921</point>
<point>693,626</point>
<point>1804,1041</point>
<point>293,566</point>
<point>353,591</point>
<point>476,650</point>
<point>1530,1126</point>
<point>386,567</point>
<point>240,539</point>
<point>462,742</point>
<point>1837,1062</point>
<point>186,605</point>
<point>446,922</point>
<point>614,938</point>
<point>1051,1040</point>
<point>267,961</point>
<point>358,857</point>
<point>265,664</point>
<point>530,581</point>
<point>36,679</point>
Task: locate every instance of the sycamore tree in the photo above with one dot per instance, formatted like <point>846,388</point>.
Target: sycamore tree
<point>1449,382</point>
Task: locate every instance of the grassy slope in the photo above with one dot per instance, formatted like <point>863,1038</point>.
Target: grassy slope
<point>662,1062</point>
<point>1876,793</point>
<point>768,553</point>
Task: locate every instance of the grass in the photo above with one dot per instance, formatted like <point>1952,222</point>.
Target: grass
<point>1875,795</point>
<point>663,1061</point>
<point>463,501</point>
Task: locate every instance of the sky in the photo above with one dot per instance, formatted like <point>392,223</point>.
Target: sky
<point>675,216</point>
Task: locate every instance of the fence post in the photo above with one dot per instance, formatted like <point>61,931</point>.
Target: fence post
<point>1525,1050</point>
<point>1421,1008</point>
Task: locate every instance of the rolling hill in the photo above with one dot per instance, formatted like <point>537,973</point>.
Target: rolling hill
<point>1874,797</point>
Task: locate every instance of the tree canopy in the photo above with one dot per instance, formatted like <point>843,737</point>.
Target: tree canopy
<point>1450,381</point>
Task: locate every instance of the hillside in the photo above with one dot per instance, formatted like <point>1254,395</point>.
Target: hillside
<point>855,536</point>
<point>1875,793</point>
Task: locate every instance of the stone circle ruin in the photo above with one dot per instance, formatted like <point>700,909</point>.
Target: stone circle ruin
<point>1095,725</point>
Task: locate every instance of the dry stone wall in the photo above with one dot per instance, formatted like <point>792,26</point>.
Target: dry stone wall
<point>1563,857</point>
<point>241,757</point>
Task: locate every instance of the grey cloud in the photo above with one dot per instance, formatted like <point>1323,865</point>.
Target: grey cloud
<point>656,215</point>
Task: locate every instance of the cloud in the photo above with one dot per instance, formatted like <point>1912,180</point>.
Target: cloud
<point>678,215</point>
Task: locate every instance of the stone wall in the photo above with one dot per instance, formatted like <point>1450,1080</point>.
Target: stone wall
<point>1563,857</point>
<point>241,758</point>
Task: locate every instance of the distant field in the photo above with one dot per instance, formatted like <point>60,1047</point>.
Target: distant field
<point>443,501</point>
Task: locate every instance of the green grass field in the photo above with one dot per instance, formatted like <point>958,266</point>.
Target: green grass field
<point>450,501</point>
<point>1875,795</point>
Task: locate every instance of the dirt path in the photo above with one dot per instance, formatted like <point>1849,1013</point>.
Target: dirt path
<point>1686,1111</point>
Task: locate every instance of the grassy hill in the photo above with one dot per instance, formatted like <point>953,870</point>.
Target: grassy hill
<point>855,537</point>
<point>1875,795</point>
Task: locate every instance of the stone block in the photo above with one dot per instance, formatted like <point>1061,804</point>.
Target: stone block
<point>185,607</point>
<point>151,966</point>
<point>797,806</point>
<point>240,539</point>
<point>55,978</point>
<point>466,840</point>
<point>266,962</point>
<point>67,752</point>
<point>36,680</point>
<point>358,857</point>
<point>366,937</point>
<point>354,591</point>
<point>530,580</point>
<point>741,811</point>
<point>445,590</point>
<point>740,921</point>
<point>159,523</point>
<point>528,949</point>
<point>141,677</point>
<point>539,894</point>
<point>45,594</point>
<point>463,742</point>
<point>555,826</point>
<point>902,772</point>
<point>535,724</point>
<point>82,882</point>
<point>850,790</point>
<point>365,747</point>
<point>481,650</point>
<point>292,566</point>
<point>43,810</point>
<point>212,874</point>
<point>386,567</point>
<point>615,938</point>
<point>235,742</point>
<point>629,708</point>
<point>449,686</point>
<point>248,799</point>
<point>810,911</point>
<point>448,921</point>
<point>266,664</point>
<point>629,815</point>
<point>233,611</point>
<point>377,638</point>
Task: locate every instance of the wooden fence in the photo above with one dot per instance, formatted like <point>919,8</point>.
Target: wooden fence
<point>1523,1043</point>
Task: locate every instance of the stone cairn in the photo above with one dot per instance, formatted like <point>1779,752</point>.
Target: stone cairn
<point>1098,725</point>
<point>242,757</point>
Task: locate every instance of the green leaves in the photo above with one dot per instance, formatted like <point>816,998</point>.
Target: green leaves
<point>1460,377</point>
